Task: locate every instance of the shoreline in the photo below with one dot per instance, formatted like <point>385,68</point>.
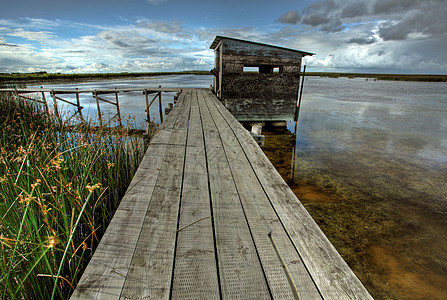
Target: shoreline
<point>51,78</point>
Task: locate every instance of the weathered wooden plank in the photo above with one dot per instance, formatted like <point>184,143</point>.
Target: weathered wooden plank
<point>260,60</point>
<point>105,274</point>
<point>172,118</point>
<point>151,267</point>
<point>285,283</point>
<point>195,273</point>
<point>241,275</point>
<point>333,277</point>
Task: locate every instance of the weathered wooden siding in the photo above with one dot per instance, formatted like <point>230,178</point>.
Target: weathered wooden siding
<point>268,96</point>
<point>235,47</point>
<point>262,96</point>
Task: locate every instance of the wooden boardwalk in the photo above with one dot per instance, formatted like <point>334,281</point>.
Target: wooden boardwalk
<point>207,216</point>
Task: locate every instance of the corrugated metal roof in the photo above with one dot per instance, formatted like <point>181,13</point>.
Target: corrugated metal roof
<point>219,38</point>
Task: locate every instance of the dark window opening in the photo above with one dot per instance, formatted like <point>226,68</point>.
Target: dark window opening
<point>266,69</point>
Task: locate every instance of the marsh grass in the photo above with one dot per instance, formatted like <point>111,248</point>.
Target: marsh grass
<point>59,189</point>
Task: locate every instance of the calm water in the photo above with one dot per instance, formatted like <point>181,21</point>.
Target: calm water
<point>369,161</point>
<point>132,105</point>
<point>371,167</point>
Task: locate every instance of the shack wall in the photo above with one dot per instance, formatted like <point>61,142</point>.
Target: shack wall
<point>257,96</point>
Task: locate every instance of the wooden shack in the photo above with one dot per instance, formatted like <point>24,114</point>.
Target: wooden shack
<point>256,82</point>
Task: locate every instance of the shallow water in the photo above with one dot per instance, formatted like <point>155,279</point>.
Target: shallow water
<point>369,162</point>
<point>132,104</point>
<point>370,165</point>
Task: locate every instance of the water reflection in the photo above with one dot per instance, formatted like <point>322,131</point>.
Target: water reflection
<point>132,104</point>
<point>370,165</point>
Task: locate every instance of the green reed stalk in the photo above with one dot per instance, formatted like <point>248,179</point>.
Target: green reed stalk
<point>58,191</point>
<point>68,244</point>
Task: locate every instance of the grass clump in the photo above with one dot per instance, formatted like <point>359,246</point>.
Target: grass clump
<point>59,189</point>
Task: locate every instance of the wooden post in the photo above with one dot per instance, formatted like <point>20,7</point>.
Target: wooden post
<point>219,90</point>
<point>301,93</point>
<point>46,103</point>
<point>169,108</point>
<point>118,108</point>
<point>160,108</point>
<point>78,102</point>
<point>95,94</point>
<point>148,116</point>
<point>297,109</point>
<point>56,111</point>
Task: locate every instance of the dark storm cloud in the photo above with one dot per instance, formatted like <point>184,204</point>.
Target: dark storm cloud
<point>291,17</point>
<point>388,6</point>
<point>428,19</point>
<point>321,6</point>
<point>399,19</point>
<point>362,41</point>
<point>323,22</point>
<point>355,9</point>
<point>315,19</point>
<point>321,14</point>
<point>333,25</point>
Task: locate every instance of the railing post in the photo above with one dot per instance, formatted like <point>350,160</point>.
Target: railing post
<point>148,116</point>
<point>45,101</point>
<point>56,111</point>
<point>160,108</point>
<point>78,102</point>
<point>118,108</point>
<point>95,94</point>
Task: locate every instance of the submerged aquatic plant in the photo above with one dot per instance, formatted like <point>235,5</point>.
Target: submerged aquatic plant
<point>59,189</point>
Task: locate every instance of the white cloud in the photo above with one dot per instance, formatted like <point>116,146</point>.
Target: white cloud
<point>348,35</point>
<point>40,36</point>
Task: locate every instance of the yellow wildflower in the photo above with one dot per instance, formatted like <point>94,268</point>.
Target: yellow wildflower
<point>56,162</point>
<point>91,188</point>
<point>26,199</point>
<point>37,183</point>
<point>45,209</point>
<point>52,241</point>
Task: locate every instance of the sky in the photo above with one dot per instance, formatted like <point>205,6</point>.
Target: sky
<point>84,36</point>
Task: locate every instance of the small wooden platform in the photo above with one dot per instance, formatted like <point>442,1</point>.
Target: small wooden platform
<point>207,216</point>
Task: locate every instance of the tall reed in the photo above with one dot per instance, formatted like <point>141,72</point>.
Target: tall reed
<point>59,190</point>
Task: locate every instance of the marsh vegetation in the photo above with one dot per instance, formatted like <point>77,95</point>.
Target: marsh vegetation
<point>59,189</point>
